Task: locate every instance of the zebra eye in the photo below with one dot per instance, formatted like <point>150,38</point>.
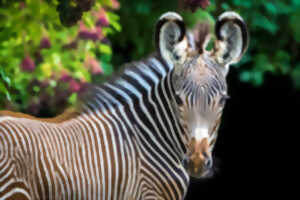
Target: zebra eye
<point>223,99</point>
<point>178,100</point>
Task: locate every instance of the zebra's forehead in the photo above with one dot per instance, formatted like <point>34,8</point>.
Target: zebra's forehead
<point>201,84</point>
<point>199,71</point>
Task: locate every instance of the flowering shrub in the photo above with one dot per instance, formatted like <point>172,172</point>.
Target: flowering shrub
<point>48,55</point>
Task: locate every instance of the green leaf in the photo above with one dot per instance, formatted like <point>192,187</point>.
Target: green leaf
<point>106,67</point>
<point>116,26</point>
<point>271,8</point>
<point>225,6</point>
<point>294,24</point>
<point>243,3</point>
<point>258,78</point>
<point>5,77</point>
<point>263,22</point>
<point>296,76</point>
<point>282,59</point>
<point>106,49</point>
<point>2,88</point>
<point>262,63</point>
<point>112,16</point>
<point>72,98</point>
<point>36,88</point>
<point>52,83</point>
<point>245,76</point>
<point>296,2</point>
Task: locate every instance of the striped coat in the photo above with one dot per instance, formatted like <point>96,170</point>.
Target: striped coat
<point>101,151</point>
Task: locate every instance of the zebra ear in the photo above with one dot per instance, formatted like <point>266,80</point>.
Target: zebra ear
<point>232,38</point>
<point>170,40</point>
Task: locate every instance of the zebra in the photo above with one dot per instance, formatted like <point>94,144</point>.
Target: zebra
<point>138,136</point>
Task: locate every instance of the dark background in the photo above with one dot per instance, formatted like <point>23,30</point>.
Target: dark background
<point>256,142</point>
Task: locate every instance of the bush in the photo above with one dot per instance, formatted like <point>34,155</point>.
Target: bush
<point>43,63</point>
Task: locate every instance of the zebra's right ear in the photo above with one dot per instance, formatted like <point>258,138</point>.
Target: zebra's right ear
<point>232,38</point>
<point>170,40</point>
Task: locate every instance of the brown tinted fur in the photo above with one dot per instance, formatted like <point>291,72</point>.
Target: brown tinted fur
<point>66,115</point>
<point>199,149</point>
<point>201,32</point>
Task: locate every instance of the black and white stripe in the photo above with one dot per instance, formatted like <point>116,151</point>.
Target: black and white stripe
<point>127,143</point>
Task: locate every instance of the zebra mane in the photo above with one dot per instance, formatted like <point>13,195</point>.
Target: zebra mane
<point>92,92</point>
<point>199,37</point>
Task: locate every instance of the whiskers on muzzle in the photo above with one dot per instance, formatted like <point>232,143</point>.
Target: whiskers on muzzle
<point>206,170</point>
<point>198,165</point>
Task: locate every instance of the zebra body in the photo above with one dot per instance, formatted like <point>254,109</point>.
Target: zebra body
<point>130,138</point>
<point>69,159</point>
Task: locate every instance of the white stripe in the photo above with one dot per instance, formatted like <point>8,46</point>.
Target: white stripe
<point>8,173</point>
<point>16,191</point>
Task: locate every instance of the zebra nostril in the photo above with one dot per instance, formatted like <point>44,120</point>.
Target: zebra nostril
<point>208,163</point>
<point>205,155</point>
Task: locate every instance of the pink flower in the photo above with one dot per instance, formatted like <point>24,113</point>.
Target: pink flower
<point>74,85</point>
<point>102,18</point>
<point>115,4</point>
<point>65,77</point>
<point>195,4</point>
<point>93,34</point>
<point>85,35</point>
<point>82,26</point>
<point>27,64</point>
<point>102,21</point>
<point>93,65</point>
<point>45,43</point>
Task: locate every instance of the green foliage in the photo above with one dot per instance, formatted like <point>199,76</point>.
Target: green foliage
<point>274,46</point>
<point>273,25</point>
<point>40,58</point>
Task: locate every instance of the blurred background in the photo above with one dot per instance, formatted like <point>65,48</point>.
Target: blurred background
<point>51,49</point>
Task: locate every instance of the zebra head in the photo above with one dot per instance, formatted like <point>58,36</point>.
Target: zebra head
<point>199,78</point>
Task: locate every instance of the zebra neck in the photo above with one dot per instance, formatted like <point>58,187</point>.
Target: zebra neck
<point>144,96</point>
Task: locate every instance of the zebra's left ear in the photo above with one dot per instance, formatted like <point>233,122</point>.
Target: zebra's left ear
<point>170,40</point>
<point>232,38</point>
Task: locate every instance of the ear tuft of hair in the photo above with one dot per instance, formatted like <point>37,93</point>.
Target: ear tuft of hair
<point>231,29</point>
<point>201,37</point>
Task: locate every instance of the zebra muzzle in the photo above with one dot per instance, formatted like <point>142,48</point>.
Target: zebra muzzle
<point>198,162</point>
